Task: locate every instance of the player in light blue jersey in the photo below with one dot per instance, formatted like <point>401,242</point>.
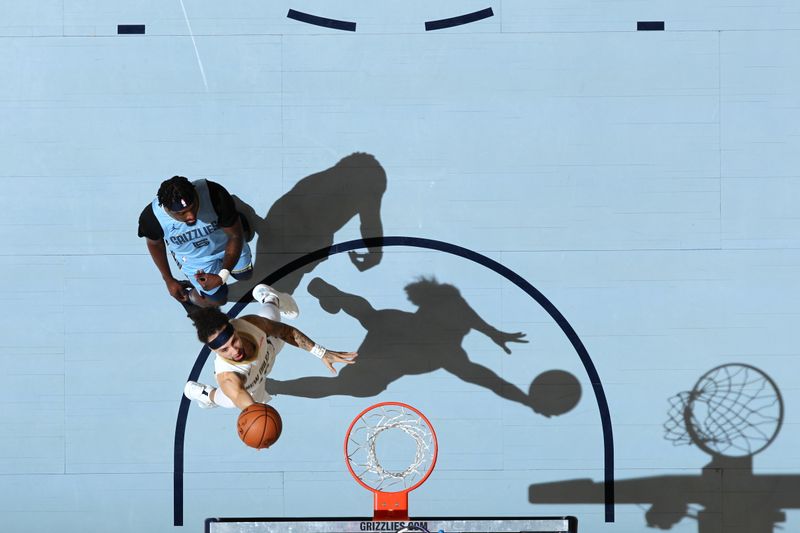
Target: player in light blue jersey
<point>199,225</point>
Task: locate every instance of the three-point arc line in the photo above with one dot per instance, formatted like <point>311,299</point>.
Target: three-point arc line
<point>321,21</point>
<point>414,242</point>
<point>459,20</point>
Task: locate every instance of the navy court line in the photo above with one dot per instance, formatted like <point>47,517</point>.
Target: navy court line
<point>414,242</point>
<point>321,21</point>
<point>459,20</point>
<point>650,25</point>
<point>130,29</point>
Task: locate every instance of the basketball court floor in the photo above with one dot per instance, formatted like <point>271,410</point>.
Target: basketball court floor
<point>622,192</point>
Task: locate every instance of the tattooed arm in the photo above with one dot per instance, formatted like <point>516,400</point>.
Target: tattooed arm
<point>295,337</point>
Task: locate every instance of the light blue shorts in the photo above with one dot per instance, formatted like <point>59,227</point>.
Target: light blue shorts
<point>242,270</point>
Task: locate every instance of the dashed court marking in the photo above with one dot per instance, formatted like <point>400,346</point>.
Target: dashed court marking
<point>130,29</point>
<point>650,25</point>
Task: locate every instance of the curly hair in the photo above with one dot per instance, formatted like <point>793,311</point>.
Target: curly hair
<point>208,320</point>
<point>173,190</point>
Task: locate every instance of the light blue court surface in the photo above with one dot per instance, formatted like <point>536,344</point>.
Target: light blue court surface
<point>645,182</point>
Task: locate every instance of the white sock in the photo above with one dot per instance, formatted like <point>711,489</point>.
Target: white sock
<point>219,398</point>
<point>270,309</point>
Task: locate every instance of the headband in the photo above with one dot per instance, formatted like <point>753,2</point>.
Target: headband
<point>179,204</point>
<point>222,338</point>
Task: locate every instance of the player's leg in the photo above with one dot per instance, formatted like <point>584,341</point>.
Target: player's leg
<point>207,396</point>
<point>201,393</point>
<point>275,304</point>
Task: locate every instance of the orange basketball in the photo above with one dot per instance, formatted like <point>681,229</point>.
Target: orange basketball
<point>259,426</point>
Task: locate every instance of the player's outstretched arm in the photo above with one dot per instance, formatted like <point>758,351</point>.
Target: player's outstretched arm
<point>232,384</point>
<point>295,337</point>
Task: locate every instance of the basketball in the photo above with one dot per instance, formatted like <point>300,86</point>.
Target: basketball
<point>259,426</point>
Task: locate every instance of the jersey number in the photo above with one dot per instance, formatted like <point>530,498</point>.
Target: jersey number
<point>200,243</point>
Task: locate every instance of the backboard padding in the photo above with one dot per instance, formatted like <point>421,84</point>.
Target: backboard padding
<point>502,524</point>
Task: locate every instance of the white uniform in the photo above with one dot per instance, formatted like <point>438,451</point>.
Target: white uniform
<point>254,369</point>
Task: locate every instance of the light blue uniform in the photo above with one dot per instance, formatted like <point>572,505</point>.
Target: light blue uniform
<point>200,246</point>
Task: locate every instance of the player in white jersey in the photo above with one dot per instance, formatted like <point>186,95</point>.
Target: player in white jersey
<point>246,348</point>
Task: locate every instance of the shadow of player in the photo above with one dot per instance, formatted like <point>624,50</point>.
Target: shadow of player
<point>307,217</point>
<point>399,343</point>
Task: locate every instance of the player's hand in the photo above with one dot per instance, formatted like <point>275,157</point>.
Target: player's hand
<point>176,290</point>
<point>364,261</point>
<point>500,338</point>
<point>207,280</point>
<point>332,356</point>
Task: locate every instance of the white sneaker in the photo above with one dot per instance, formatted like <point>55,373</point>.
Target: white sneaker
<point>199,392</point>
<point>286,305</point>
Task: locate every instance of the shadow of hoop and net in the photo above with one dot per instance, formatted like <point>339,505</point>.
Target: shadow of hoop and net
<point>732,413</point>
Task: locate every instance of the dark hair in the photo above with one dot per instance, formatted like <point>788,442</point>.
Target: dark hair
<point>173,190</point>
<point>208,320</point>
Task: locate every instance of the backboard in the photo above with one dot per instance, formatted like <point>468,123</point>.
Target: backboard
<point>500,524</point>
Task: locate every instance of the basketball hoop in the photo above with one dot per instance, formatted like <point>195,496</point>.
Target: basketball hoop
<point>394,425</point>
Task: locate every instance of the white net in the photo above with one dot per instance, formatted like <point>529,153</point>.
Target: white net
<point>394,430</point>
